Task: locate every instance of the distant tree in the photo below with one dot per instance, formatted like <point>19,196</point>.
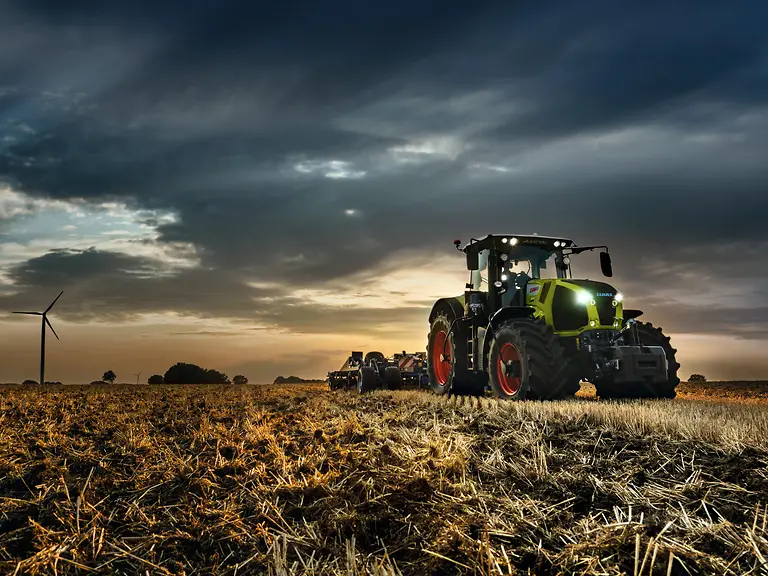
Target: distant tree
<point>240,379</point>
<point>697,379</point>
<point>109,376</point>
<point>155,379</point>
<point>183,373</point>
<point>29,382</point>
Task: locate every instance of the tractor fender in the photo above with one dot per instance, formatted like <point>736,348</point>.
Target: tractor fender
<point>509,313</point>
<point>452,307</point>
<point>629,314</point>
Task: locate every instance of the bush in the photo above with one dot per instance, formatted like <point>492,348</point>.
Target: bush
<point>183,373</point>
<point>29,382</point>
<point>697,379</point>
<point>240,379</point>
<point>155,379</point>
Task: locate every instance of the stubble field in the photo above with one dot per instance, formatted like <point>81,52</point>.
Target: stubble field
<point>296,479</point>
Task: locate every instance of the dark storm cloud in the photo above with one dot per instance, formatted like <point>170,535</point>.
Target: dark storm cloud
<point>208,111</point>
<point>116,287</point>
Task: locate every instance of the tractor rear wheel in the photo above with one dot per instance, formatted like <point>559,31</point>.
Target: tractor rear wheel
<point>648,335</point>
<point>393,380</point>
<point>527,361</point>
<point>366,380</point>
<point>447,353</point>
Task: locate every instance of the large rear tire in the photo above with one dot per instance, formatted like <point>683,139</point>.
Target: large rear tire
<point>648,335</point>
<point>447,353</point>
<point>527,361</point>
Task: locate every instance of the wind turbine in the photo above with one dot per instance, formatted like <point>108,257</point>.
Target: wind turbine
<point>42,337</point>
<point>137,378</point>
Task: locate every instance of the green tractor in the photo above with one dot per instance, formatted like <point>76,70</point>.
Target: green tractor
<point>527,334</point>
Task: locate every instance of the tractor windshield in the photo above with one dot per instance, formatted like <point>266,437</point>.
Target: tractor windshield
<point>531,261</point>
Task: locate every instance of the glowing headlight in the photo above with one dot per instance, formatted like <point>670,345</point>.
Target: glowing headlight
<point>557,243</point>
<point>504,257</point>
<point>619,297</point>
<point>503,277</point>
<point>513,241</point>
<point>583,297</point>
<point>503,240</point>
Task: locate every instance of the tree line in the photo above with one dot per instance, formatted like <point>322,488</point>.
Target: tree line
<point>183,373</point>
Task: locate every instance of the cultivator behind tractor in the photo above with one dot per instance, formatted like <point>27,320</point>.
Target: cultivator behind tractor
<point>366,373</point>
<point>377,371</point>
<point>413,368</point>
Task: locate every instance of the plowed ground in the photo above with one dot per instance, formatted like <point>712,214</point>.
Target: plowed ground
<point>297,479</point>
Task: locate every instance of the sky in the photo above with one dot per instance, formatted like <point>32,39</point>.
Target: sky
<point>261,188</point>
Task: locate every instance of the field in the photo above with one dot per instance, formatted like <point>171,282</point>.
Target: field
<point>295,479</point>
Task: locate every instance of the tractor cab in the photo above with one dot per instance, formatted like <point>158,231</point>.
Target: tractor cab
<point>503,266</point>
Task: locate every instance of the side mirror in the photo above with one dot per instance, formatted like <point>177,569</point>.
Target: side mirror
<point>605,264</point>
<point>473,260</point>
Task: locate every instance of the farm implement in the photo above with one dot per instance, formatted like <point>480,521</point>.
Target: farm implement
<point>413,368</point>
<point>518,334</point>
<point>374,370</point>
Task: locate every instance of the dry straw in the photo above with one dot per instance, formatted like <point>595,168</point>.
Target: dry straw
<point>299,480</point>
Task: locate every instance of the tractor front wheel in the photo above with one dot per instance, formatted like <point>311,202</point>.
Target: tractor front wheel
<point>526,361</point>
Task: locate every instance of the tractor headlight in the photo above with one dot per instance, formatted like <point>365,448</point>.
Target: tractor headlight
<point>557,243</point>
<point>619,297</point>
<point>513,241</point>
<point>583,297</point>
<point>503,277</point>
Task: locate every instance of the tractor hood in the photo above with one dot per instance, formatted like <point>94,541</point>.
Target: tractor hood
<point>584,304</point>
<point>595,288</point>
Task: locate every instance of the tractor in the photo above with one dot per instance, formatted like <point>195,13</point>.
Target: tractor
<point>520,332</point>
<point>366,373</point>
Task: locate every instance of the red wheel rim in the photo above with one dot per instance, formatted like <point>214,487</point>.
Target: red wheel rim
<point>509,383</point>
<point>440,361</point>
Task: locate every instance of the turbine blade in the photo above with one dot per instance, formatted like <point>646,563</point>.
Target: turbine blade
<point>54,302</point>
<point>51,327</point>
<point>35,313</point>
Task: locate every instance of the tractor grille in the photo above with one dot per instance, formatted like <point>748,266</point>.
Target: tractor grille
<point>604,304</point>
<point>605,310</point>
<point>567,314</point>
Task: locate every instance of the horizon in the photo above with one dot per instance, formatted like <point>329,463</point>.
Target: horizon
<point>262,190</point>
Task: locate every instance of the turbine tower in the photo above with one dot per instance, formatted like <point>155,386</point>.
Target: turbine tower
<point>42,336</point>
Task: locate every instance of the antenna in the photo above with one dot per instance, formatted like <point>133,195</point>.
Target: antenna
<point>137,378</point>
<point>44,321</point>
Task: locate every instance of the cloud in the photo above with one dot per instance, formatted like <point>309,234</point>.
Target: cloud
<point>315,150</point>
